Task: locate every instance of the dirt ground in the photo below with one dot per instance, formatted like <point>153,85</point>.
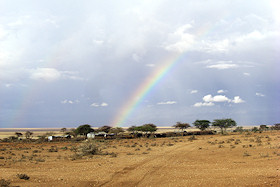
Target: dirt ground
<point>248,159</point>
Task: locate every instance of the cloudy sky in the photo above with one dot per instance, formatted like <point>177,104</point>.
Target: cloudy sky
<point>66,63</point>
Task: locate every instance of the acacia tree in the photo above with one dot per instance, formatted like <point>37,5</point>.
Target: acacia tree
<point>63,130</point>
<point>71,132</point>
<point>104,128</point>
<point>223,124</point>
<point>116,130</point>
<point>18,134</point>
<point>84,130</point>
<point>181,126</point>
<point>132,129</point>
<point>263,127</point>
<point>201,124</point>
<point>28,134</point>
<point>276,126</point>
<point>147,128</point>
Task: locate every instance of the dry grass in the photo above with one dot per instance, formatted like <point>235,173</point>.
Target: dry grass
<point>232,160</point>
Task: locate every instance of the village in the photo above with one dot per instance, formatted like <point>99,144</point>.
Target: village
<point>104,158</point>
<point>200,127</point>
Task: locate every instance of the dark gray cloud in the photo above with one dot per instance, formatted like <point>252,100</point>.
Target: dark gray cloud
<point>64,63</point>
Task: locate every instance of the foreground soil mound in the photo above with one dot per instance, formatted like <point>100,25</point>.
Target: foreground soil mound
<point>249,159</point>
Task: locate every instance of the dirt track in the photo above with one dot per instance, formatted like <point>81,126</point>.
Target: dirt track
<point>209,161</point>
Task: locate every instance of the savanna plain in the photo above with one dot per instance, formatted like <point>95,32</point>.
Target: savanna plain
<point>235,159</point>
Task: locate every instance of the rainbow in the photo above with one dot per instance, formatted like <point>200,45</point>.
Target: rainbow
<point>145,88</point>
<point>166,65</point>
<point>151,81</point>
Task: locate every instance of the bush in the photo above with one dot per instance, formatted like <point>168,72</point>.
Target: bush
<point>239,129</point>
<point>246,154</point>
<point>23,176</point>
<point>53,149</point>
<point>192,138</point>
<point>255,129</point>
<point>5,183</point>
<point>113,154</point>
<point>276,126</point>
<point>87,148</point>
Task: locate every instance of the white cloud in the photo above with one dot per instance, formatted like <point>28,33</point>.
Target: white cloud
<point>115,51</point>
<point>104,104</point>
<point>99,105</point>
<point>95,105</point>
<point>47,74</point>
<point>246,74</point>
<point>217,98</point>
<point>209,100</point>
<point>8,85</point>
<point>221,91</point>
<point>260,94</point>
<point>71,75</point>
<point>215,46</point>
<point>193,91</point>
<point>66,101</point>
<point>255,35</point>
<point>203,104</point>
<point>136,57</point>
<point>222,66</point>
<point>180,40</point>
<point>220,98</point>
<point>237,99</point>
<point>52,74</point>
<point>3,33</point>
<point>167,103</point>
<point>98,42</point>
<point>150,65</point>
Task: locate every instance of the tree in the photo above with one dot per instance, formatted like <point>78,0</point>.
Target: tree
<point>201,124</point>
<point>147,128</point>
<point>116,130</point>
<point>104,128</point>
<point>239,129</point>
<point>72,132</point>
<point>276,126</point>
<point>255,129</point>
<point>263,127</point>
<point>181,126</point>
<point>84,130</point>
<point>28,134</point>
<point>132,129</point>
<point>18,134</point>
<point>63,130</point>
<point>223,124</point>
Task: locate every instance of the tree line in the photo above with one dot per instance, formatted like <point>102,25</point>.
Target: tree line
<point>83,130</point>
<point>203,125</point>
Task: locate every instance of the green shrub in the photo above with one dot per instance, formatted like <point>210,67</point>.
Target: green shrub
<point>23,176</point>
<point>255,129</point>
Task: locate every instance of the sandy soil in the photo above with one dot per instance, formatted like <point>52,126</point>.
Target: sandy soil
<point>212,160</point>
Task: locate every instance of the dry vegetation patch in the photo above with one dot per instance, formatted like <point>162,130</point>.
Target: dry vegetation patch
<point>222,160</point>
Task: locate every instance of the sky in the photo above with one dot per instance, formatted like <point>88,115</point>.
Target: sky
<point>122,63</point>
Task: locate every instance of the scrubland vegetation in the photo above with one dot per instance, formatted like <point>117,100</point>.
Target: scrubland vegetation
<point>239,158</point>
